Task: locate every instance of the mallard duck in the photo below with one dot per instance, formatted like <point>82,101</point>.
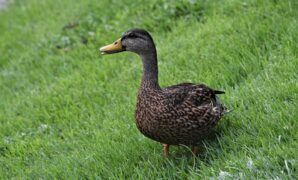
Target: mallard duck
<point>181,114</point>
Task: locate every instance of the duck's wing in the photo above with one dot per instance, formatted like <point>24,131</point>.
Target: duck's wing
<point>195,94</point>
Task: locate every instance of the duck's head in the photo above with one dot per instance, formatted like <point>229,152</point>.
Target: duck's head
<point>135,40</point>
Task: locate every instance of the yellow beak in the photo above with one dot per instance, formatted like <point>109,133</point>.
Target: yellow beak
<point>112,48</point>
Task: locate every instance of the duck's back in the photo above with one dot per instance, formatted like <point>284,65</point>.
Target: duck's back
<point>179,114</point>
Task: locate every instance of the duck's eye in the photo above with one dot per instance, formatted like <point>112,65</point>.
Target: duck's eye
<point>132,35</point>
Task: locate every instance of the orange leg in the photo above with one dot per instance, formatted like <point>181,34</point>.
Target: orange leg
<point>166,150</point>
<point>195,150</point>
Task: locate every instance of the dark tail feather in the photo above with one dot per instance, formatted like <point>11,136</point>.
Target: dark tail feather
<point>218,92</point>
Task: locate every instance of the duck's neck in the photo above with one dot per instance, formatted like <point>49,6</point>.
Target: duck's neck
<point>150,70</point>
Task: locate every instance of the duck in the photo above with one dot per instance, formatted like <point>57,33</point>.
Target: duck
<point>182,114</point>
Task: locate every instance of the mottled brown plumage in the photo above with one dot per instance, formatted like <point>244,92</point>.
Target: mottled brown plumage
<point>179,114</point>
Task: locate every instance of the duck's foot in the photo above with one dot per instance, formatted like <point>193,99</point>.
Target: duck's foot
<point>166,150</point>
<point>195,150</point>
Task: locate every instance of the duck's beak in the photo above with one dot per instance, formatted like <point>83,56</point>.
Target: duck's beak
<point>112,48</point>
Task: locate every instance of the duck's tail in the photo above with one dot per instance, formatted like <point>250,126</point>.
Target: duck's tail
<point>222,109</point>
<point>225,110</point>
<point>218,92</point>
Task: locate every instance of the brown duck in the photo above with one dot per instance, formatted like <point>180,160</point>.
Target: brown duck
<point>179,114</point>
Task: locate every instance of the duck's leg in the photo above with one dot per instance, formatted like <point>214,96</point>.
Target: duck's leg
<point>195,150</point>
<point>166,150</point>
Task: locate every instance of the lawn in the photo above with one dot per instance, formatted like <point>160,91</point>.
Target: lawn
<point>66,112</point>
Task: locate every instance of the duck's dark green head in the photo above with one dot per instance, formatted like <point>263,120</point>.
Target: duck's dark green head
<point>134,40</point>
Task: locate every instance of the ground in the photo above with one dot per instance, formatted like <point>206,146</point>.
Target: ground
<point>67,112</point>
<point>2,4</point>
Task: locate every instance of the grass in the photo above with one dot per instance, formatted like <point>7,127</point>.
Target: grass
<point>66,112</point>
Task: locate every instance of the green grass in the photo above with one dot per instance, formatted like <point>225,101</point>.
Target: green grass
<point>68,112</point>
